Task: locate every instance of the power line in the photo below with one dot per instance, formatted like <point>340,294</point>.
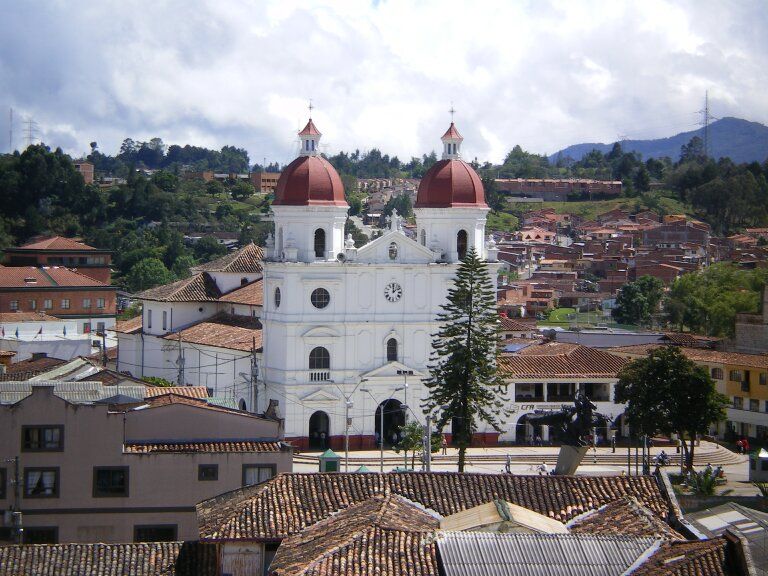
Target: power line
<point>705,118</point>
<point>31,131</point>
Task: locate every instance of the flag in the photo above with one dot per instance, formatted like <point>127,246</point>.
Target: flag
<point>65,330</point>
<point>17,333</point>
<point>3,330</point>
<point>39,332</point>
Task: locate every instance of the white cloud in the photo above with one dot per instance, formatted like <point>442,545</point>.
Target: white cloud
<point>540,74</point>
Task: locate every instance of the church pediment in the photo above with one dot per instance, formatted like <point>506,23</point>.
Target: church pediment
<point>392,370</point>
<point>394,247</point>
<point>321,395</point>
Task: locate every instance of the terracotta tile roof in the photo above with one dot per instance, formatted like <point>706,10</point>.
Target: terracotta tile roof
<point>198,288</point>
<point>452,133</point>
<point>27,317</point>
<point>7,353</point>
<point>202,447</point>
<point>358,536</point>
<point>251,294</point>
<point>245,260</point>
<point>700,558</point>
<point>508,324</point>
<point>26,369</point>
<point>561,361</point>
<point>692,340</point>
<point>700,355</point>
<point>188,391</point>
<point>138,559</point>
<point>48,276</point>
<point>288,503</point>
<point>624,517</point>
<point>130,326</point>
<point>223,331</point>
<point>310,129</point>
<point>56,243</point>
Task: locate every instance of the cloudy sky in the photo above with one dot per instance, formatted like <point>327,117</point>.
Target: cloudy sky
<point>380,74</point>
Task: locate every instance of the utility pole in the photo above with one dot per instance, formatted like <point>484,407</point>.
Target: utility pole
<point>254,377</point>
<point>705,119</point>
<point>180,362</point>
<point>428,444</point>
<point>10,131</point>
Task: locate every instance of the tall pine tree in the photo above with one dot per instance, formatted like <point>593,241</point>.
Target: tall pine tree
<point>463,378</point>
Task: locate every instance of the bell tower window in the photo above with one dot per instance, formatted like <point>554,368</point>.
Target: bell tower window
<point>461,244</point>
<point>391,350</point>
<point>319,243</point>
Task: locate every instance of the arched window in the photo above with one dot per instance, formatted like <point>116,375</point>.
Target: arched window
<point>319,243</point>
<point>423,237</point>
<point>319,359</point>
<point>242,405</point>
<point>461,244</point>
<point>278,297</point>
<point>391,350</point>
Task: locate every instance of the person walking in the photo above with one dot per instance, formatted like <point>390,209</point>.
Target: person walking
<point>444,445</point>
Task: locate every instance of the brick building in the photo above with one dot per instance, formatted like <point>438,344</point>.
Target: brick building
<point>59,251</point>
<point>559,190</point>
<point>264,182</point>
<point>86,169</point>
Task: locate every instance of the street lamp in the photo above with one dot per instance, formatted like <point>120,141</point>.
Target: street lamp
<point>381,422</point>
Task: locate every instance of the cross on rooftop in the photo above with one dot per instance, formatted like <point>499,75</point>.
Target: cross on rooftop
<point>452,111</point>
<point>310,107</point>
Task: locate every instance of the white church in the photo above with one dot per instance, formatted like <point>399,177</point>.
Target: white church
<point>320,332</point>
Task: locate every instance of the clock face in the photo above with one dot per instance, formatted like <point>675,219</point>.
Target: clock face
<point>393,291</point>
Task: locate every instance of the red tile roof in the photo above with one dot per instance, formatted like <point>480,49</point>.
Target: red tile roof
<point>201,447</point>
<point>27,317</point>
<point>700,558</point>
<point>704,355</point>
<point>247,259</point>
<point>288,503</point>
<point>624,517</point>
<point>223,331</point>
<point>189,391</point>
<point>56,243</point>
<point>251,294</point>
<point>31,276</point>
<point>560,360</point>
<point>26,369</point>
<point>198,288</point>
<point>130,326</point>
<point>310,129</point>
<point>510,325</point>
<point>452,133</point>
<point>138,559</point>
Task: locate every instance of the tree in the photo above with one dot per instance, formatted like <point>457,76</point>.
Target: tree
<point>242,190</point>
<point>463,380</point>
<point>638,301</point>
<point>667,393</point>
<point>148,273</point>
<point>412,440</point>
<point>208,248</point>
<point>642,179</point>
<point>214,187</point>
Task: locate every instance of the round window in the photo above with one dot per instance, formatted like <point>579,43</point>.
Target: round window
<point>277,297</point>
<point>320,298</point>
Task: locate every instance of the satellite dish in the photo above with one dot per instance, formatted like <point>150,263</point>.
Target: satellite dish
<point>341,257</point>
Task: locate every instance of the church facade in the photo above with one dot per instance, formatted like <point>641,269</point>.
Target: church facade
<point>348,330</point>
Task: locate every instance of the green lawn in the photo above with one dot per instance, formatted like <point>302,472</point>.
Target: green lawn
<point>568,317</point>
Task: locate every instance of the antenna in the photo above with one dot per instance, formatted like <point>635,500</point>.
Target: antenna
<point>31,131</point>
<point>705,118</point>
<point>10,131</point>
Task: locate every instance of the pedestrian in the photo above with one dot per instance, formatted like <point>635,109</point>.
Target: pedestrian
<point>322,440</point>
<point>537,440</point>
<point>543,469</point>
<point>508,465</point>
<point>745,444</point>
<point>444,445</point>
<point>740,446</point>
<point>708,469</point>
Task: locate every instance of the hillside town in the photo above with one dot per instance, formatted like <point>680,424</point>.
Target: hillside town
<point>233,356</point>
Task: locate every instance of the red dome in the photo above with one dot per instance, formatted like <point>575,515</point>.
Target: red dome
<point>450,183</point>
<point>309,180</point>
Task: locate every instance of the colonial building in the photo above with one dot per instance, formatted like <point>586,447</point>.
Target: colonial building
<point>347,329</point>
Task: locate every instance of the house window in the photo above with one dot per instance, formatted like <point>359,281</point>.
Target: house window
<point>42,438</point>
<point>65,304</point>
<point>717,373</point>
<point>257,473</point>
<point>33,304</point>
<point>149,318</point>
<point>763,378</point>
<point>100,303</point>
<point>320,298</point>
<point>208,472</point>
<point>47,304</point>
<point>14,305</point>
<point>278,297</point>
<point>165,320</point>
<point>319,243</point>
<point>3,483</point>
<point>41,482</point>
<point>41,535</point>
<point>754,405</point>
<point>319,359</point>
<point>735,376</point>
<point>86,302</point>
<point>461,244</point>
<point>100,327</point>
<point>86,327</point>
<point>155,533</point>
<point>423,238</point>
<point>110,481</point>
<point>391,350</point>
<point>738,402</point>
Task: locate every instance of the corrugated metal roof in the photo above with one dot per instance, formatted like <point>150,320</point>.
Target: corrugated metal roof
<point>493,554</point>
<point>76,392</point>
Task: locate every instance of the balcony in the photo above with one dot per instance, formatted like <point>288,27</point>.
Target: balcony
<point>319,375</point>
